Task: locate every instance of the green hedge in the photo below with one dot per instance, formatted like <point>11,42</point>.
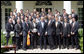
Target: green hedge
<point>3,41</point>
<point>81,39</point>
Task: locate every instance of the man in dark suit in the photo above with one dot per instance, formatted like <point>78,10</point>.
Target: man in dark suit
<point>49,32</point>
<point>73,14</point>
<point>65,15</point>
<point>66,33</point>
<point>58,32</point>
<point>33,31</point>
<point>9,28</point>
<point>18,29</point>
<point>74,33</point>
<point>41,32</point>
<point>26,28</point>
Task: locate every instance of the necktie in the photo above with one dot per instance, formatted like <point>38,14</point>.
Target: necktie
<point>65,24</point>
<point>48,22</point>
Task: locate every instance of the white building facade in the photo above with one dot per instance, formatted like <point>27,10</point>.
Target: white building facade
<point>59,5</point>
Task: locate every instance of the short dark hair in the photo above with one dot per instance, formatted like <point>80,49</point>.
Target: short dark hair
<point>64,9</point>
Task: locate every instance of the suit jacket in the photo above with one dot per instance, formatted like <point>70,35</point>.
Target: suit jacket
<point>75,27</point>
<point>9,28</point>
<point>57,29</point>
<point>25,28</point>
<point>18,29</point>
<point>32,26</point>
<point>40,29</point>
<point>49,28</point>
<point>66,30</point>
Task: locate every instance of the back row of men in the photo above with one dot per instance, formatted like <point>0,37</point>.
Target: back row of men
<point>54,27</point>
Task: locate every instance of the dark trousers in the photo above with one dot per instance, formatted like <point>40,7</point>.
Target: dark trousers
<point>50,41</point>
<point>42,40</point>
<point>66,41</point>
<point>33,40</point>
<point>74,41</point>
<point>58,40</point>
<point>24,42</point>
<point>18,42</point>
<point>7,39</point>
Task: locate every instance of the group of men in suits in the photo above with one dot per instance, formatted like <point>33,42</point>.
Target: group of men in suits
<point>56,28</point>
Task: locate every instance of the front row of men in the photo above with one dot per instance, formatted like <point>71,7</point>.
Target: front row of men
<point>54,31</point>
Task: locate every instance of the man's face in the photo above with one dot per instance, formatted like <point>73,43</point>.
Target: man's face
<point>34,20</point>
<point>52,17</point>
<point>69,16</point>
<point>21,17</point>
<point>42,18</point>
<point>49,10</point>
<point>26,19</point>
<point>49,17</point>
<point>42,9</point>
<point>18,21</point>
<point>15,10</point>
<point>21,11</point>
<point>34,10</point>
<point>63,11</point>
<point>72,10</point>
<point>65,20</point>
<point>10,20</point>
<point>11,13</point>
<point>73,19</point>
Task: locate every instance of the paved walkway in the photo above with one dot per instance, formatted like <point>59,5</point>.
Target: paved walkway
<point>38,50</point>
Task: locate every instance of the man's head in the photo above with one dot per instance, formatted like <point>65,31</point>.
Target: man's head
<point>56,18</point>
<point>42,19</point>
<point>49,11</point>
<point>65,19</point>
<point>22,17</point>
<point>73,19</point>
<point>21,11</point>
<point>49,17</point>
<point>53,16</point>
<point>37,16</point>
<point>11,13</point>
<point>34,10</point>
<point>27,11</point>
<point>42,9</point>
<point>70,16</point>
<point>64,10</point>
<point>34,20</point>
<point>72,10</point>
<point>13,17</point>
<point>32,14</point>
<point>15,10</point>
<point>10,20</point>
<point>26,19</point>
<point>18,21</point>
<point>30,17</point>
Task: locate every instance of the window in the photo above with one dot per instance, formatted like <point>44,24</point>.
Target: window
<point>6,3</point>
<point>46,9</point>
<point>7,13</point>
<point>80,3</point>
<point>80,19</point>
<point>38,9</point>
